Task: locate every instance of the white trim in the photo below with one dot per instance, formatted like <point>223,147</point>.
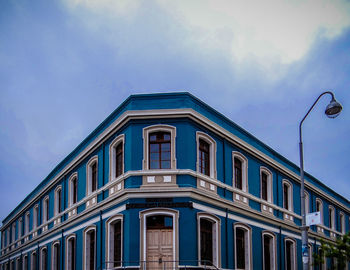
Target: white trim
<point>321,208</point>
<point>112,155</point>
<point>58,259</point>
<point>56,202</point>
<point>27,223</point>
<point>331,217</point>
<point>341,222</point>
<point>89,164</point>
<point>294,253</point>
<point>85,244</point>
<point>41,257</point>
<point>290,194</point>
<point>212,152</point>
<point>35,216</point>
<point>244,161</point>
<point>70,189</point>
<point>269,183</point>
<point>248,245</point>
<point>109,222</point>
<point>273,251</point>
<point>46,213</point>
<point>307,202</point>
<point>32,261</point>
<point>69,237</point>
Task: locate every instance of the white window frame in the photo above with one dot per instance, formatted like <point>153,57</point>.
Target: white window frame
<point>24,263</point>
<point>41,257</point>
<point>290,195</point>
<point>27,221</point>
<point>35,216</point>
<point>70,189</point>
<point>341,222</point>
<point>67,262</point>
<point>32,261</point>
<point>46,206</point>
<point>273,253</point>
<point>269,183</point>
<point>53,254</point>
<point>18,260</point>
<point>13,232</point>
<point>109,222</point>
<point>112,154</point>
<point>321,209</point>
<point>212,153</point>
<point>216,237</point>
<point>159,128</point>
<point>20,225</point>
<point>244,160</point>
<point>307,202</point>
<point>248,242</point>
<point>57,189</point>
<point>332,217</point>
<point>89,175</point>
<point>294,253</point>
<point>85,247</point>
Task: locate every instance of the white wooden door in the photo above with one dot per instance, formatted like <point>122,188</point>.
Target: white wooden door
<point>159,248</point>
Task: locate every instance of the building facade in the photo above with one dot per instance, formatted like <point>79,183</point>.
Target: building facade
<point>166,182</point>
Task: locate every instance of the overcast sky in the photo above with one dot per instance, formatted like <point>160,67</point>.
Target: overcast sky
<point>65,65</point>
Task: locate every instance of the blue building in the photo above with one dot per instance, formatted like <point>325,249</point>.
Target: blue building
<point>166,182</point>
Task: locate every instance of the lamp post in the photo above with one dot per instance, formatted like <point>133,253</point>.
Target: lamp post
<point>333,109</point>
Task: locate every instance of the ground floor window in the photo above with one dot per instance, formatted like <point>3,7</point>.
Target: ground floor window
<point>56,255</point>
<point>242,246</point>
<point>70,253</point>
<point>33,261</point>
<point>269,251</point>
<point>114,241</point>
<point>290,260</point>
<point>90,248</point>
<point>43,259</point>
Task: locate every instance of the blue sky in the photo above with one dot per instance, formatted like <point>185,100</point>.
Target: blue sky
<point>65,65</point>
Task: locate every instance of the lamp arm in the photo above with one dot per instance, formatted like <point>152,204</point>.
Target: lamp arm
<point>313,105</point>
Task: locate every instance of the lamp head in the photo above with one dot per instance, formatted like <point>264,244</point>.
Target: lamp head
<point>333,109</point>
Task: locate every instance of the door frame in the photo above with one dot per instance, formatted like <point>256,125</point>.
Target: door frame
<point>143,228</point>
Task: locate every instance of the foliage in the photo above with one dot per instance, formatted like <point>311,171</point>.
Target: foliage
<point>338,252</point>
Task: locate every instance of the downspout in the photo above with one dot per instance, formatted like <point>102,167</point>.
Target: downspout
<point>100,239</point>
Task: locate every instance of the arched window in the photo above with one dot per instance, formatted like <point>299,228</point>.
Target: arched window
<point>266,184</point>
<point>243,257</point>
<point>90,248</point>
<point>13,232</point>
<point>116,157</point>
<point>92,175</point>
<point>114,232</point>
<point>25,262</point>
<point>43,258</point>
<point>73,189</point>
<point>206,154</point>
<point>331,217</point>
<point>27,220</point>
<point>290,254</point>
<point>319,208</point>
<point>33,261</point>
<point>159,147</point>
<point>70,252</point>
<point>46,209</point>
<point>20,228</point>
<point>307,203</point>
<point>287,195</point>
<point>58,200</point>
<point>56,255</point>
<point>269,251</point>
<point>35,216</point>
<point>240,171</point>
<point>341,222</point>
<point>18,263</point>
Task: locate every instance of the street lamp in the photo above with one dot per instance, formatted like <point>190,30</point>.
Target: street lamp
<point>333,109</point>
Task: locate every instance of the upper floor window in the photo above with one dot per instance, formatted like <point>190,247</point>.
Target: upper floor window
<point>27,218</point>
<point>159,147</point>
<point>73,189</point>
<point>46,209</point>
<point>240,171</point>
<point>287,196</point>
<point>319,208</point>
<point>331,216</point>
<point>116,157</point>
<point>266,184</point>
<point>58,200</point>
<point>341,222</point>
<point>243,253</point>
<point>13,232</point>
<point>307,203</point>
<point>206,154</point>
<point>35,216</point>
<point>20,228</point>
<point>92,174</point>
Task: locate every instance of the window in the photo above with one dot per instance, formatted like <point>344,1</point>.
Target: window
<point>116,157</point>
<point>341,222</point>
<point>269,251</point>
<point>243,259</point>
<point>58,200</point>
<point>266,184</point>
<point>33,261</point>
<point>56,256</point>
<point>70,253</point>
<point>13,237</point>
<point>290,258</point>
<point>73,189</point>
<point>209,236</point>
<point>159,147</point>
<point>20,227</point>
<point>287,196</point>
<point>46,209</point>
<point>206,154</point>
<point>35,216</point>
<point>90,248</point>
<point>319,208</point>
<point>27,218</point>
<point>92,174</point>
<point>240,171</point>
<point>25,262</point>
<point>43,258</point>
<point>114,241</point>
<point>331,216</point>
<point>18,264</point>
<point>307,203</point>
